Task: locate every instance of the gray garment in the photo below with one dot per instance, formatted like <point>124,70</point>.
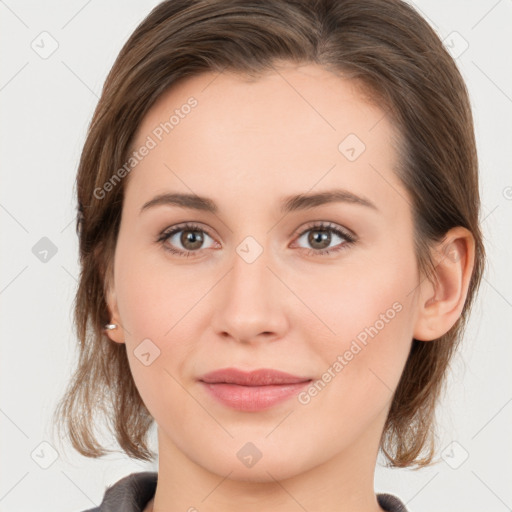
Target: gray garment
<point>133,492</point>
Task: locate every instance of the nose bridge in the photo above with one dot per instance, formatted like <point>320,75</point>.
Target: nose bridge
<point>249,279</point>
<point>252,254</point>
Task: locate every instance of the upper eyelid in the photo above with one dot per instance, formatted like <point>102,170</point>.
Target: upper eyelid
<point>187,225</point>
<point>327,225</point>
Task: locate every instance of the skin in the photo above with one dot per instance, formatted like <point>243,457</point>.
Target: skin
<point>246,145</point>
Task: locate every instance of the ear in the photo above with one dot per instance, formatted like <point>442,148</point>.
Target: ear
<point>117,334</point>
<point>441,302</point>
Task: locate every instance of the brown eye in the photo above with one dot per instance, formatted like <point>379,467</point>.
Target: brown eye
<point>320,237</point>
<point>191,240</point>
<point>184,240</point>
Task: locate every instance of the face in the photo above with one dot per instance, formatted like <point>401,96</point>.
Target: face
<point>322,288</point>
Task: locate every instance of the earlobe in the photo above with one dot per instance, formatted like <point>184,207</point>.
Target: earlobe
<point>113,329</point>
<point>442,299</point>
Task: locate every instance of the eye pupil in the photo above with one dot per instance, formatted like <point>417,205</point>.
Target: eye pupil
<point>194,237</point>
<point>323,236</point>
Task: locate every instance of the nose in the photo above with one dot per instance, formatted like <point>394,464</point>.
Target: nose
<point>250,302</point>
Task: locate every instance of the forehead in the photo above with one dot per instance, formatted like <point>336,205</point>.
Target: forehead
<point>289,130</point>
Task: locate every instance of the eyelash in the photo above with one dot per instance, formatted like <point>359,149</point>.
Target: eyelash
<point>328,227</point>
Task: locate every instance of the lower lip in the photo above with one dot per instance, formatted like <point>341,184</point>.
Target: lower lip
<point>253,398</point>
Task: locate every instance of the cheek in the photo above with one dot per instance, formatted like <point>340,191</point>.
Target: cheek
<point>358,368</point>
<point>152,296</point>
<point>350,299</point>
<point>367,317</point>
<point>156,307</point>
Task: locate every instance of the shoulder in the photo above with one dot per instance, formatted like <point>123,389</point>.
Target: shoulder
<point>129,494</point>
<point>390,503</point>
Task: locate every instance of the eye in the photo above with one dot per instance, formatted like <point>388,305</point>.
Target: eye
<point>320,236</point>
<point>191,239</point>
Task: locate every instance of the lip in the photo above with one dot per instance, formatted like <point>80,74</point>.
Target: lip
<point>252,391</point>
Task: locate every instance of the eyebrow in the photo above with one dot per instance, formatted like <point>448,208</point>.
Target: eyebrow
<point>288,204</point>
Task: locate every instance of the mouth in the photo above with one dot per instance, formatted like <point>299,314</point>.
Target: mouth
<point>252,391</point>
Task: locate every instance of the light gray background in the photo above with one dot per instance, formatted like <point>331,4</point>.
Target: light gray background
<point>46,107</point>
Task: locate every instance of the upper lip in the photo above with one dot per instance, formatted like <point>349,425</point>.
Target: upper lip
<point>260,377</point>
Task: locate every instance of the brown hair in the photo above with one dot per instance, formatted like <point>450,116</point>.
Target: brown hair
<point>388,48</point>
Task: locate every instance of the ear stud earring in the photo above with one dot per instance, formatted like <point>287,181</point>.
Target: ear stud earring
<point>109,327</point>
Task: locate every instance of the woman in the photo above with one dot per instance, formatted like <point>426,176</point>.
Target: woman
<point>279,240</point>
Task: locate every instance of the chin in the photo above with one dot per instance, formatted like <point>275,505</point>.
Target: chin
<point>262,472</point>
<point>258,462</point>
